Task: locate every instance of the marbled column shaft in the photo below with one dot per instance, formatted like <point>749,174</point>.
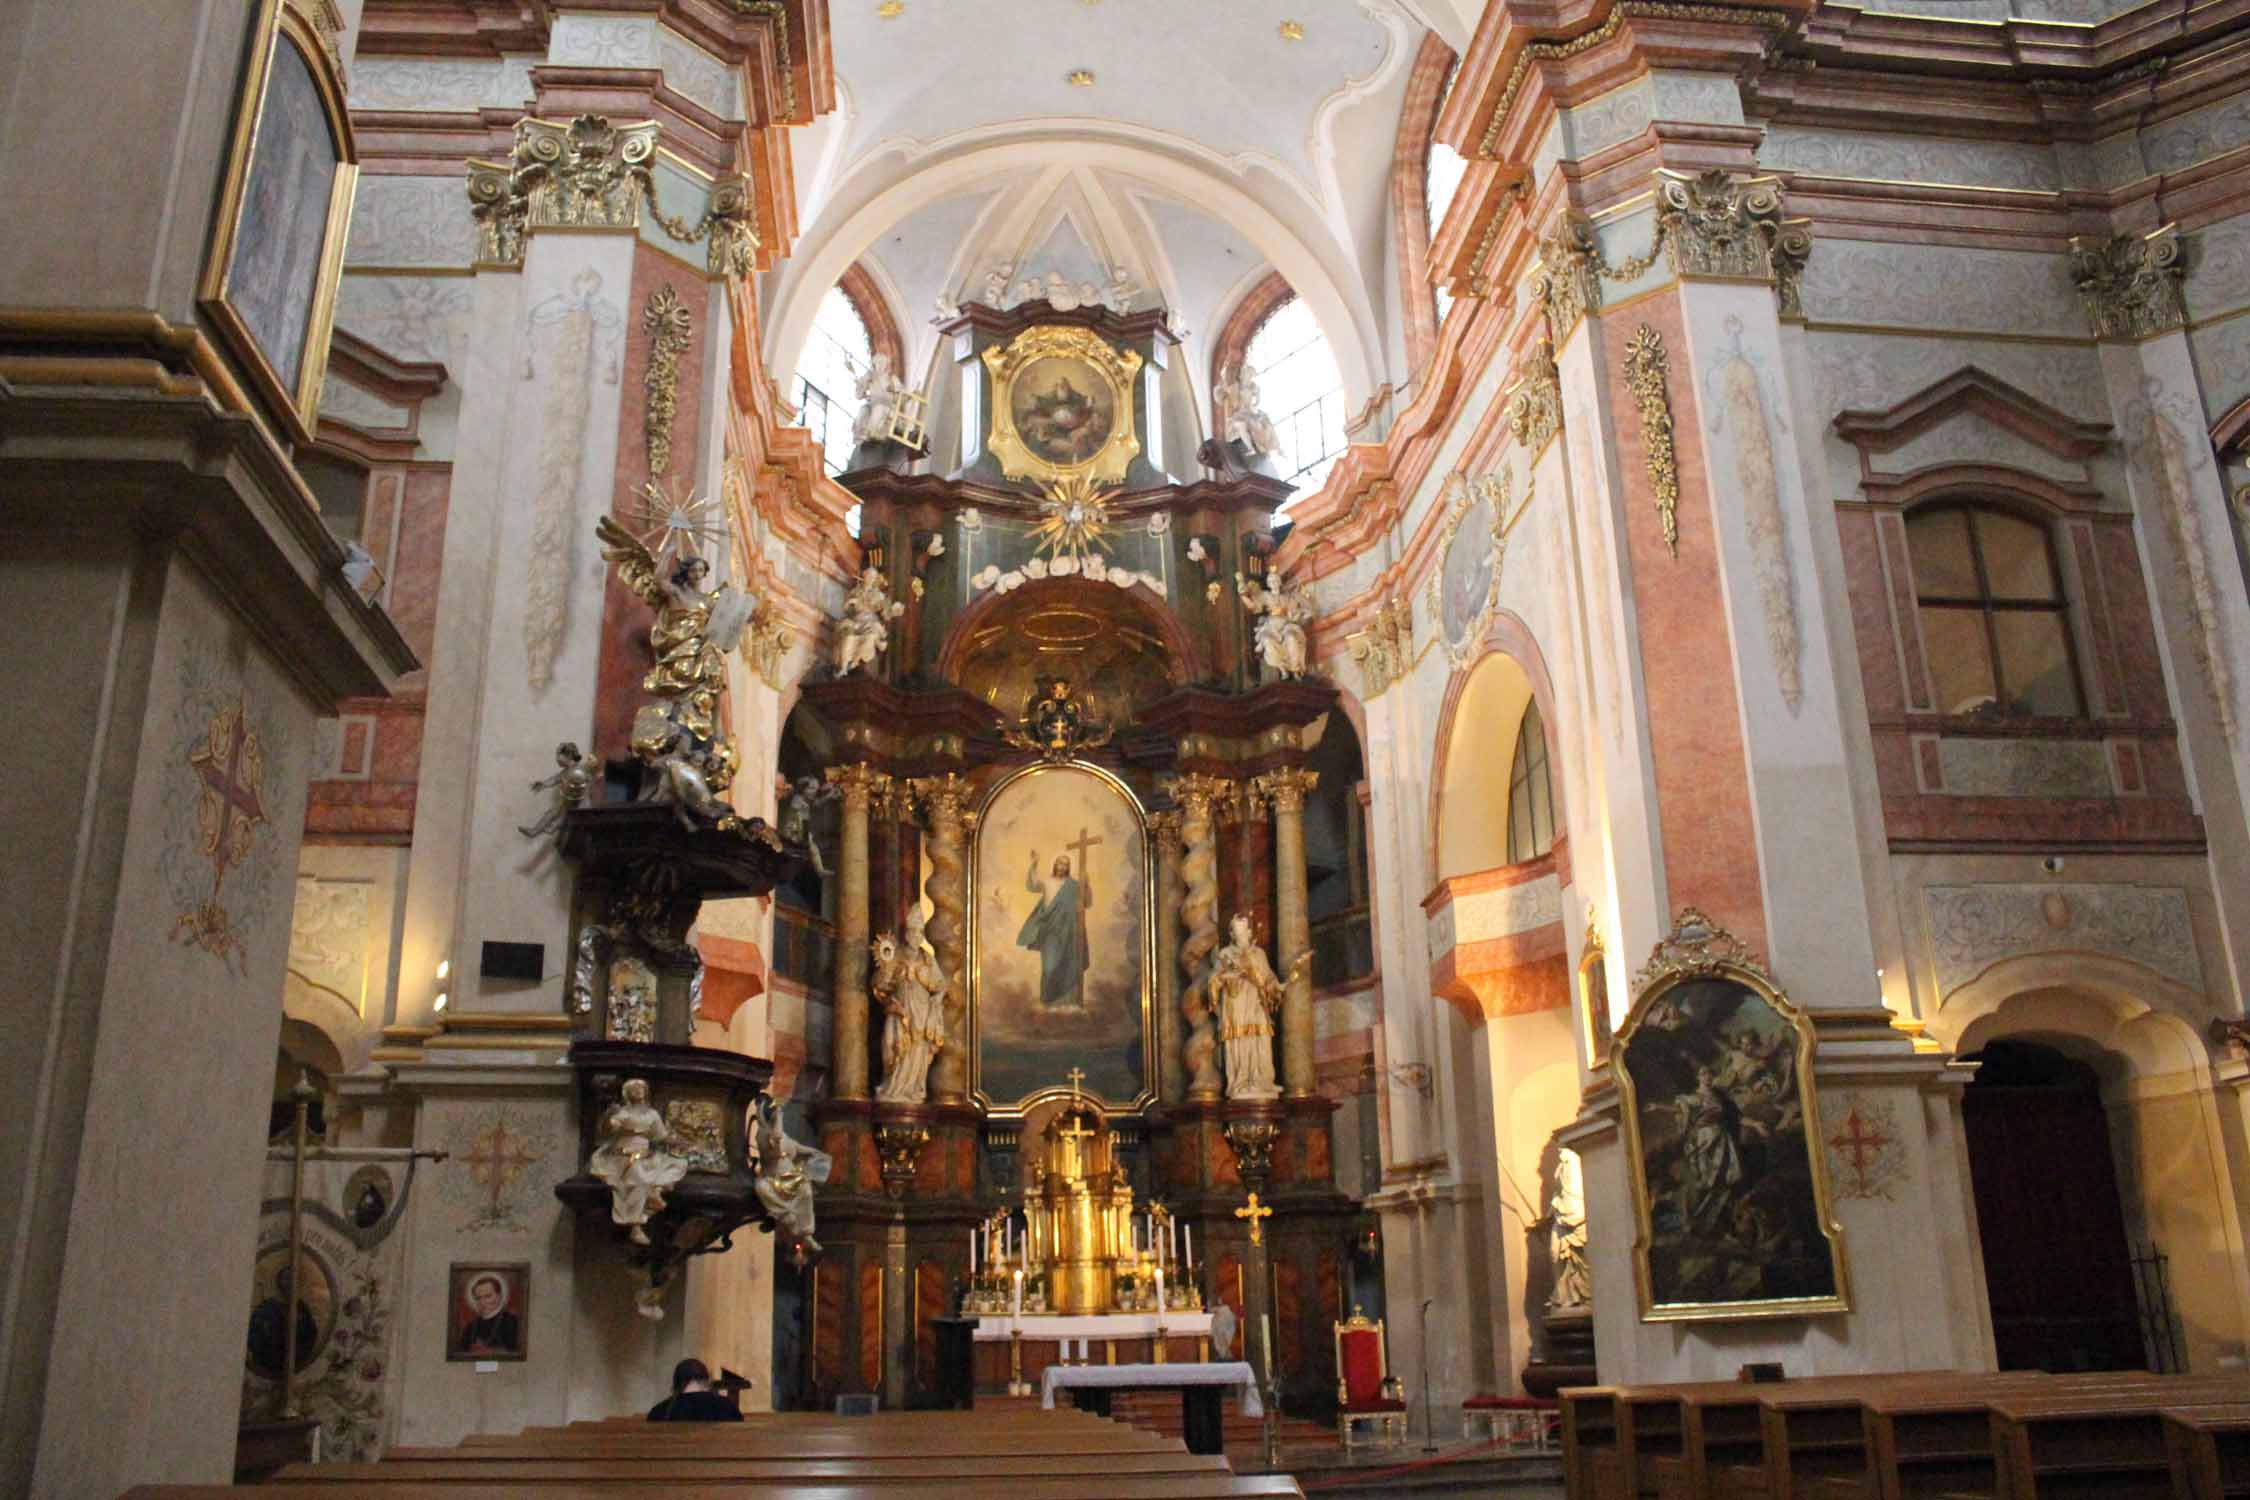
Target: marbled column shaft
<point>1199,906</point>
<point>1166,827</point>
<point>1292,926</point>
<point>944,801</point>
<point>860,785</point>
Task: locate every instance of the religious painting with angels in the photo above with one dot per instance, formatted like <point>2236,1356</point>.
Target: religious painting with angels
<point>1059,971</point>
<point>1730,1200</point>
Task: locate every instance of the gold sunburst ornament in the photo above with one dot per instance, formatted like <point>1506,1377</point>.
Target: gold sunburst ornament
<point>664,518</point>
<point>1074,518</point>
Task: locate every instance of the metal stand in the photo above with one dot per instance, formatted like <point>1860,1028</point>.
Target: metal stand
<point>1429,1427</point>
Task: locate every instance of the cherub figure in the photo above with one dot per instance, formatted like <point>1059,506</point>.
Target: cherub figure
<point>673,770</point>
<point>865,631</point>
<point>800,804</point>
<point>576,775</point>
<point>1284,612</point>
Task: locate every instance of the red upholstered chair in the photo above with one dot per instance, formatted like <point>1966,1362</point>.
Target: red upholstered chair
<point>1366,1390</point>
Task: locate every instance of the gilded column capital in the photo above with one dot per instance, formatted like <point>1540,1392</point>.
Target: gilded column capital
<point>592,173</point>
<point>1569,280</point>
<point>1286,787</point>
<point>1166,827</point>
<point>1384,650</point>
<point>1198,794</point>
<point>2133,286</point>
<point>861,785</point>
<point>1717,224</point>
<point>944,799</point>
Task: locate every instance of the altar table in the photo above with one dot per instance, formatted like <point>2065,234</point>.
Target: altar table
<point>1012,1348</point>
<point>1201,1386</point>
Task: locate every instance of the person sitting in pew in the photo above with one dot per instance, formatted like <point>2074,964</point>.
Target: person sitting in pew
<point>692,1399</point>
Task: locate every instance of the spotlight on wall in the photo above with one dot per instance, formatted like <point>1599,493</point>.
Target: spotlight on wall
<point>444,968</point>
<point>439,1007</point>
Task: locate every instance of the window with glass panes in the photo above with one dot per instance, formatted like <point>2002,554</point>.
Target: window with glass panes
<point>1531,795</point>
<point>1301,389</point>
<point>836,355</point>
<point>1995,624</point>
<point>1441,179</point>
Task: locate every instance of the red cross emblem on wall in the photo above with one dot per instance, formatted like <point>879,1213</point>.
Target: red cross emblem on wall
<point>495,1160</point>
<point>1861,1144</point>
<point>230,770</point>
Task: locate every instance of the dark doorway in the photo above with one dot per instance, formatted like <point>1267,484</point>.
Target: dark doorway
<point>2056,1261</point>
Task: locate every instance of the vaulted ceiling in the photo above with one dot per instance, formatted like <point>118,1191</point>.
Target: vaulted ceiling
<point>1211,145</point>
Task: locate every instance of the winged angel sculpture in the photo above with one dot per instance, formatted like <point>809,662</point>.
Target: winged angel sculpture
<point>686,762</point>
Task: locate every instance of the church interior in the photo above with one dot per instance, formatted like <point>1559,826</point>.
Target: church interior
<point>1127,747</point>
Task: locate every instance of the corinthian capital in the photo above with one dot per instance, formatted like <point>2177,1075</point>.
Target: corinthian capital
<point>1286,787</point>
<point>861,785</point>
<point>1717,224</point>
<point>2133,287</point>
<point>944,799</point>
<point>1197,794</point>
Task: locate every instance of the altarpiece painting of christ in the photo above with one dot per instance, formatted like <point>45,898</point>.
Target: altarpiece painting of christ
<point>1061,929</point>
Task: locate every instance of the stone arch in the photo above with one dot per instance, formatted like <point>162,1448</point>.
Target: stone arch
<point>1186,660</point>
<point>2175,1173</point>
<point>1508,640</point>
<point>1410,179</point>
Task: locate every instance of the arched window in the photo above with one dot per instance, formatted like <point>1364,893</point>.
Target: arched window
<point>836,354</point>
<point>1531,796</point>
<point>1995,625</point>
<point>1441,179</point>
<point>1301,389</point>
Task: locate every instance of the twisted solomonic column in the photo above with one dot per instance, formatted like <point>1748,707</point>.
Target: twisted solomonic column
<point>945,804</point>
<point>1164,827</point>
<point>1292,928</point>
<point>861,785</point>
<point>1199,908</point>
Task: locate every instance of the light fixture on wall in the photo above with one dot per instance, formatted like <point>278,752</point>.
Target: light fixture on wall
<point>1406,1075</point>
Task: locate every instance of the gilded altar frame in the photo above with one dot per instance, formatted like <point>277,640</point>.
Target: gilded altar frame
<point>1116,368</point>
<point>1594,1033</point>
<point>278,24</point>
<point>1153,1062</point>
<point>1699,949</point>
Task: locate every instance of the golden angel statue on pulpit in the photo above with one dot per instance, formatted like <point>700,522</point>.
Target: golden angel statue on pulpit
<point>696,625</point>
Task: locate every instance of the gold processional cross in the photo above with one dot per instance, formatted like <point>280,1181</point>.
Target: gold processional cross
<point>1254,1211</point>
<point>1076,1076</point>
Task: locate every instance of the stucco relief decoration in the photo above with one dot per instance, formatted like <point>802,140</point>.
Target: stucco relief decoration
<point>2164,438</point>
<point>1647,375</point>
<point>1716,224</point>
<point>1569,279</point>
<point>1866,1153</point>
<point>225,767</point>
<point>328,937</point>
<point>670,328</point>
<point>574,339</point>
<point>1384,649</point>
<point>2134,286</point>
<point>593,173</point>
<point>491,1176</point>
<point>1535,402</point>
<point>1973,927</point>
<point>1740,414</point>
<point>1471,557</point>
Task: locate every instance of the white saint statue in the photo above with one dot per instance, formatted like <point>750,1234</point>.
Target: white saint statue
<point>865,632</point>
<point>878,391</point>
<point>786,1172</point>
<point>1566,1235</point>
<point>1248,993</point>
<point>1283,613</point>
<point>910,986</point>
<point>1242,419</point>
<point>632,1160</point>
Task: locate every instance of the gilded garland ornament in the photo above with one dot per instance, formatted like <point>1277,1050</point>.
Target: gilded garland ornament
<point>1062,406</point>
<point>670,329</point>
<point>1646,373</point>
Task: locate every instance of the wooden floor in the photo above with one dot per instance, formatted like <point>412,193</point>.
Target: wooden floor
<point>1020,1453</point>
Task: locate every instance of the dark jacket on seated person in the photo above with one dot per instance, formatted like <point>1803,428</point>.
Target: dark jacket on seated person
<point>694,1406</point>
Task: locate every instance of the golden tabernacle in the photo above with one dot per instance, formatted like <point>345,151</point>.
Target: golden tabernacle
<point>1080,1213</point>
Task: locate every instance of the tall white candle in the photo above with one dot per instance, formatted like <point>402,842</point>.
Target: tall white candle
<point>1160,1292</point>
<point>1017,1307</point>
<point>1187,1255</point>
<point>1265,1342</point>
<point>972,1254</point>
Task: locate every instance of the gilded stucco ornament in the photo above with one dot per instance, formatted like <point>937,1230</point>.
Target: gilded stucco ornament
<point>1647,374</point>
<point>594,173</point>
<point>1717,224</point>
<point>1569,280</point>
<point>1384,650</point>
<point>1535,401</point>
<point>2133,285</point>
<point>1044,427</point>
<point>670,328</point>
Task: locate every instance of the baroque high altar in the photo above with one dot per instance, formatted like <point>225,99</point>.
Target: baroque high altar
<point>1062,770</point>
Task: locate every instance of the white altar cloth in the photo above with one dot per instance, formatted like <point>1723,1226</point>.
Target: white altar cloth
<point>1234,1373</point>
<point>998,1327</point>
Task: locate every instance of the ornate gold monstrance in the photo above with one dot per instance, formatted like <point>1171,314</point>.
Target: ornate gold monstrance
<point>1080,1211</point>
<point>1062,406</point>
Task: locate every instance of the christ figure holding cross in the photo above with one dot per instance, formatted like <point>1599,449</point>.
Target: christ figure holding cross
<point>1057,927</point>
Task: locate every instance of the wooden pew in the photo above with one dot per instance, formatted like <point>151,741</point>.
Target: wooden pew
<point>2097,1442</point>
<point>1593,1464</point>
<point>2209,1449</point>
<point>750,1473</point>
<point>1216,1486</point>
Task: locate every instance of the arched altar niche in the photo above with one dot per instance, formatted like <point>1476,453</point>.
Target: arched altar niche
<point>1122,647</point>
<point>1060,958</point>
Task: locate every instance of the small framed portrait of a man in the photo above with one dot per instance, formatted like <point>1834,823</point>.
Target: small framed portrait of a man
<point>487,1310</point>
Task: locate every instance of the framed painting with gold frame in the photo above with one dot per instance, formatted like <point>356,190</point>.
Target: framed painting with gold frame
<point>1062,944</point>
<point>1062,405</point>
<point>1731,1206</point>
<point>269,286</point>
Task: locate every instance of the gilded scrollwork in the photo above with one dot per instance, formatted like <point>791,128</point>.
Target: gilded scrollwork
<point>1569,279</point>
<point>1717,224</point>
<point>594,173</point>
<point>1647,375</point>
<point>2134,286</point>
<point>1535,401</point>
<point>670,328</point>
<point>1384,649</point>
